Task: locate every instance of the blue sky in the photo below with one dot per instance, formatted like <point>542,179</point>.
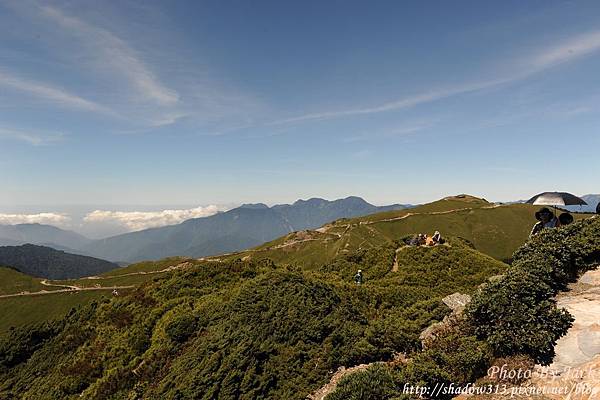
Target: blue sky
<point>221,102</point>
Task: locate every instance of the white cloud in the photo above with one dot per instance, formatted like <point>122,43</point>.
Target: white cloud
<point>56,95</point>
<point>570,50</point>
<point>41,218</point>
<point>115,53</point>
<point>35,139</point>
<point>137,220</point>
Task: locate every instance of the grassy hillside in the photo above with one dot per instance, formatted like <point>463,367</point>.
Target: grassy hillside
<point>38,307</point>
<point>13,281</point>
<point>496,230</point>
<point>145,266</point>
<point>29,310</point>
<point>240,329</point>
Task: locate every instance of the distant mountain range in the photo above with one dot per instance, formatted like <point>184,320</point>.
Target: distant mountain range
<point>46,262</point>
<point>243,227</point>
<point>592,200</point>
<point>14,235</point>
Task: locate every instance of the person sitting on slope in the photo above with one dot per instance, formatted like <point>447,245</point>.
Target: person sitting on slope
<point>545,220</point>
<point>565,219</point>
<point>414,241</point>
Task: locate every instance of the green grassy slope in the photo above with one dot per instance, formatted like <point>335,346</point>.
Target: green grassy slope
<point>22,311</point>
<point>242,329</point>
<point>496,230</point>
<point>146,266</point>
<point>31,309</point>
<point>12,281</point>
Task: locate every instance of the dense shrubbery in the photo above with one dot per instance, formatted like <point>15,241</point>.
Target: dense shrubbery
<point>514,316</point>
<point>455,358</point>
<point>376,383</point>
<point>245,330</point>
<point>20,344</point>
<point>517,314</point>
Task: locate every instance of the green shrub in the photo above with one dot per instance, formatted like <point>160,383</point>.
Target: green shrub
<point>375,383</point>
<point>517,313</point>
<point>181,328</point>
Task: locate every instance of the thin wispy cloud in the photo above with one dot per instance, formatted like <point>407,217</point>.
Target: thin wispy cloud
<point>403,103</point>
<point>405,130</point>
<point>124,77</point>
<point>137,220</point>
<point>56,95</point>
<point>35,139</point>
<point>117,54</point>
<point>567,51</point>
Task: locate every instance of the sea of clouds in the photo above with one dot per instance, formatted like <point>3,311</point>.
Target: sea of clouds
<point>102,222</point>
<point>137,220</point>
<point>48,218</point>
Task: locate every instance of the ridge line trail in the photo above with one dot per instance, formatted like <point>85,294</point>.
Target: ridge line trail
<point>410,214</point>
<point>326,229</point>
<point>396,266</point>
<point>348,226</point>
<point>167,269</point>
<point>72,288</point>
<point>45,283</point>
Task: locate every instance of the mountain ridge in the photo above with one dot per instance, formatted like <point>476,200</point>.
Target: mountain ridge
<point>41,234</point>
<point>46,262</point>
<point>246,226</point>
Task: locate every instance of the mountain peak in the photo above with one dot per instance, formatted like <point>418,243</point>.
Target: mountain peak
<point>312,200</point>
<point>255,206</point>
<point>466,198</point>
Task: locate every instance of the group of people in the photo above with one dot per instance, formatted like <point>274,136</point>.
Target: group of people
<point>423,240</point>
<point>547,219</point>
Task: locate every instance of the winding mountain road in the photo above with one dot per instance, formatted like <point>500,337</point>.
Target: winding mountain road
<point>73,288</point>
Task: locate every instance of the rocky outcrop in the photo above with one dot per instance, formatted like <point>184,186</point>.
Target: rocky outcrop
<point>577,362</point>
<point>456,302</point>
